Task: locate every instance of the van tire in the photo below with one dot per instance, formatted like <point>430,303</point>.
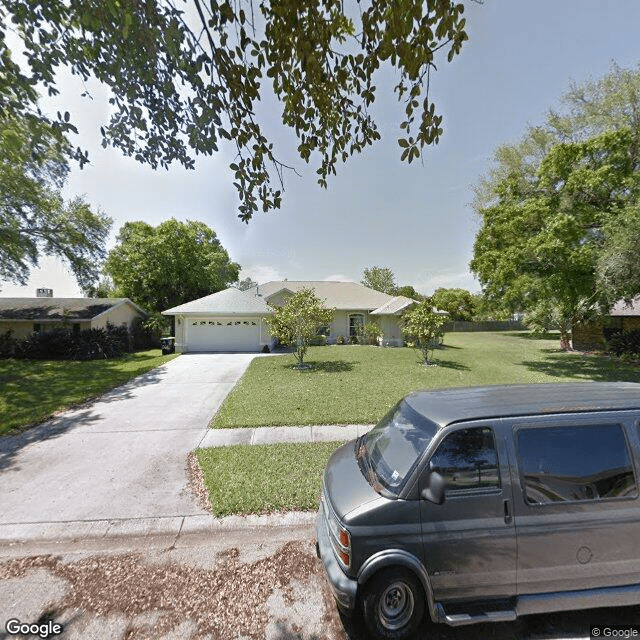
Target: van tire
<point>393,604</point>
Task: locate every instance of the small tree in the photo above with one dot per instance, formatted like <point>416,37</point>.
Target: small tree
<point>424,327</point>
<point>296,322</point>
<point>370,333</point>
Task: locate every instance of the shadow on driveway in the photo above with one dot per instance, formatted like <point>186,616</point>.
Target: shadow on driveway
<point>81,415</point>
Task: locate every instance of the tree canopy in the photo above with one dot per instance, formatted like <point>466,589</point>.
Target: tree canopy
<point>380,279</point>
<point>553,204</point>
<point>165,266</point>
<point>459,303</point>
<point>34,218</point>
<point>186,77</point>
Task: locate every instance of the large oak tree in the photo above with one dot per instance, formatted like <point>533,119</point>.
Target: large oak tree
<point>186,76</point>
<point>165,266</point>
<point>34,217</point>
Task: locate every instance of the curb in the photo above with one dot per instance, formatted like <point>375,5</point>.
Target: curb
<point>171,527</point>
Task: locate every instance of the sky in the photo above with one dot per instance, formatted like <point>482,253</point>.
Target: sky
<point>415,219</point>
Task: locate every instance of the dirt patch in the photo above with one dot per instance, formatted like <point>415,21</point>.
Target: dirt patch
<point>196,482</point>
<point>222,603</point>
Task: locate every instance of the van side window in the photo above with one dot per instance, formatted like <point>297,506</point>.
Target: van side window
<point>467,459</point>
<point>564,464</point>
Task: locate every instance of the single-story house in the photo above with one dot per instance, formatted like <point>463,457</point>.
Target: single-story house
<point>234,320</point>
<point>23,316</point>
<point>593,335</point>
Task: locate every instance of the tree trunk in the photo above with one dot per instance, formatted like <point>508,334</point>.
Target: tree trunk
<point>565,340</point>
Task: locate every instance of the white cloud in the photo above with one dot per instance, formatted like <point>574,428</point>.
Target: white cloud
<point>261,273</point>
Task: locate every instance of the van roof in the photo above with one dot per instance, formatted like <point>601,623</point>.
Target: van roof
<point>446,406</point>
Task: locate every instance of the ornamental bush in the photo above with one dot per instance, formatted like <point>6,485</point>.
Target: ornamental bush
<point>625,342</point>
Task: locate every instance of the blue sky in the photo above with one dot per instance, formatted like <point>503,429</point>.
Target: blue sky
<point>415,219</point>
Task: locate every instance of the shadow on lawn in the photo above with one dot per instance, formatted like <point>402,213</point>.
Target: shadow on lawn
<point>528,335</point>
<point>330,366</point>
<point>451,364</point>
<point>584,367</point>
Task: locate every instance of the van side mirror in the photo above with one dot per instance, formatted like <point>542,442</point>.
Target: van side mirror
<point>434,491</point>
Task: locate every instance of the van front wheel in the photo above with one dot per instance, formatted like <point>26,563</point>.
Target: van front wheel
<point>393,604</point>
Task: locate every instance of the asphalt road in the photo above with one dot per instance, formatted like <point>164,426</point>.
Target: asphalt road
<point>256,582</point>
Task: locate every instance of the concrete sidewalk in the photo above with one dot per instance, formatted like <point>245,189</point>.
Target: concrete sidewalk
<point>269,435</point>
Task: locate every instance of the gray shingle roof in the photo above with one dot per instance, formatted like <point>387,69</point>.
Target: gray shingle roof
<point>622,309</point>
<point>55,309</point>
<point>226,302</point>
<point>334,294</point>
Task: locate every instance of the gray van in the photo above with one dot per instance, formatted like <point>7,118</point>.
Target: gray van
<point>484,504</point>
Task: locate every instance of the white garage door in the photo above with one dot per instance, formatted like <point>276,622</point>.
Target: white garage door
<point>223,334</point>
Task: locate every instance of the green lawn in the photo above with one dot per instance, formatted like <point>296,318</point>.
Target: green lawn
<point>31,390</point>
<point>357,384</point>
<point>264,478</point>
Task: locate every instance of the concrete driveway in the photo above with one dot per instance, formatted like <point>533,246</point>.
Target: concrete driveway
<point>122,456</point>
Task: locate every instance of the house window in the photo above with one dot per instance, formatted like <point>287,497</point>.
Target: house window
<point>37,327</point>
<point>356,322</point>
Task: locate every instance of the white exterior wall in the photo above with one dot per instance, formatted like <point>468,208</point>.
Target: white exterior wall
<point>391,331</point>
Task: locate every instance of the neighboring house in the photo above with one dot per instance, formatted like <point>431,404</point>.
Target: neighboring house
<point>234,320</point>
<point>23,316</point>
<point>593,335</point>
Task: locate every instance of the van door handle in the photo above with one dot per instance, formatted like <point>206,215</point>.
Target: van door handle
<point>508,518</point>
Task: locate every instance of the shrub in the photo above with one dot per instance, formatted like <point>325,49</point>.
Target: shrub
<point>66,344</point>
<point>318,341</point>
<point>370,333</point>
<point>143,336</point>
<point>7,344</point>
<point>625,342</point>
<point>340,340</point>
<point>353,339</point>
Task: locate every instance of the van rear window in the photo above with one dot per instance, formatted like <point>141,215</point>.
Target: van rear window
<point>566,464</point>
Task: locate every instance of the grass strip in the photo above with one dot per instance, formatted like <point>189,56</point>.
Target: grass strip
<point>358,384</point>
<point>264,478</point>
<point>32,390</point>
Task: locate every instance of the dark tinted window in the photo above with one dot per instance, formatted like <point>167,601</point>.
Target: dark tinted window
<point>467,459</point>
<point>562,464</point>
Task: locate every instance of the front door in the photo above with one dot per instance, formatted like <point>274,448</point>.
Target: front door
<point>469,541</point>
<point>575,505</point>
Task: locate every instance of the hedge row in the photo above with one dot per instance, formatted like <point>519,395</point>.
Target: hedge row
<point>67,344</point>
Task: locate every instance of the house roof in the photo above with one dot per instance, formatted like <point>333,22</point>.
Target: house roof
<point>226,302</point>
<point>394,306</point>
<point>57,309</point>
<point>334,294</point>
<point>621,308</point>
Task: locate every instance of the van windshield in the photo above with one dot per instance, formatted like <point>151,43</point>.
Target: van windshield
<point>394,446</point>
